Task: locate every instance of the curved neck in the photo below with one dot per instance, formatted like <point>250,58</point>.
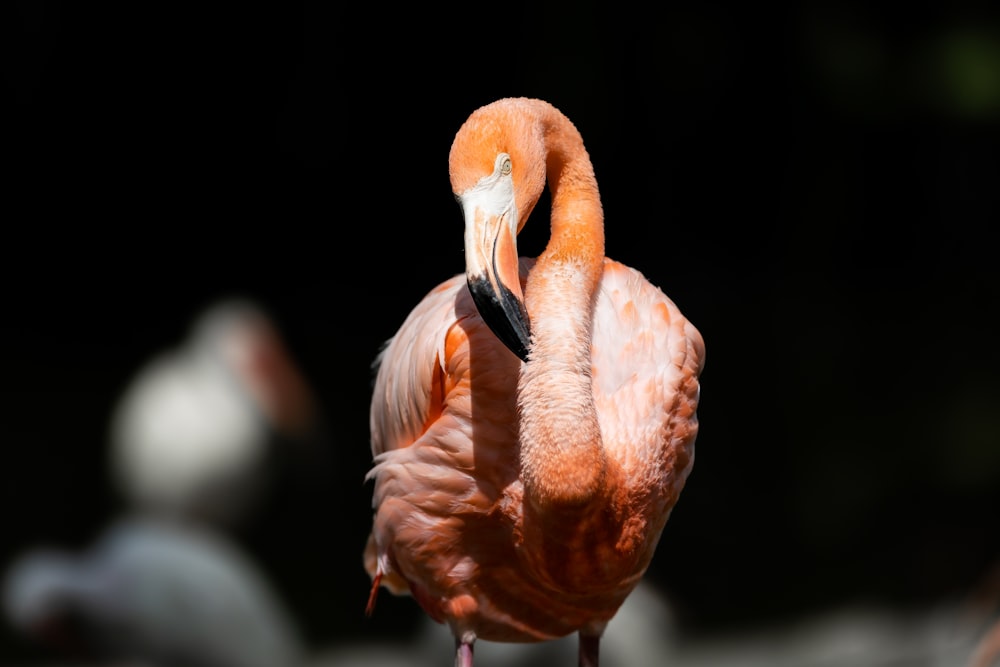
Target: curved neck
<point>563,462</point>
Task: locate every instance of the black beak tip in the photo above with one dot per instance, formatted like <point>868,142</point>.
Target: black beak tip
<point>504,314</point>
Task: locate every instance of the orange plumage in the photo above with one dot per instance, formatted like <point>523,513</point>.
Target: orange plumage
<point>533,421</point>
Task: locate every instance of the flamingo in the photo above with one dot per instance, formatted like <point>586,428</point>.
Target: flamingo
<point>533,420</point>
<point>199,431</point>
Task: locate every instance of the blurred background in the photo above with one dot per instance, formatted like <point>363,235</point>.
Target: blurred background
<point>816,187</point>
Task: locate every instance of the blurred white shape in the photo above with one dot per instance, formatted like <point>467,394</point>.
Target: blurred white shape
<point>192,434</point>
<point>858,636</point>
<point>157,594</point>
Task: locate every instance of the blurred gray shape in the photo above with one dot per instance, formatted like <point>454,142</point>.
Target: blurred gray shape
<point>154,593</point>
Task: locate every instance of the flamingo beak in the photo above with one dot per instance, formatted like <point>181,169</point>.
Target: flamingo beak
<point>491,262</point>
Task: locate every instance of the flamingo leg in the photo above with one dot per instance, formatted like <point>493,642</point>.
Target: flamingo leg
<point>376,581</point>
<point>590,646</point>
<point>463,653</point>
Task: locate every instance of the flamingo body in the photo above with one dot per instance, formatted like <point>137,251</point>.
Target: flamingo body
<point>521,500</point>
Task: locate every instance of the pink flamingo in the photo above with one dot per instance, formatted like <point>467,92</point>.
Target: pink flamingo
<point>533,421</point>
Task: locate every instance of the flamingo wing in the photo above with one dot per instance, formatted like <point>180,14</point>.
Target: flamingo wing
<point>405,401</point>
<point>431,475</point>
<point>421,436</point>
<point>646,362</point>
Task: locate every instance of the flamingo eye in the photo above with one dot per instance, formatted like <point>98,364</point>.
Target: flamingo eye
<point>505,165</point>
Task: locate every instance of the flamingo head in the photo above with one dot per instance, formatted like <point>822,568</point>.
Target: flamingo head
<point>497,165</point>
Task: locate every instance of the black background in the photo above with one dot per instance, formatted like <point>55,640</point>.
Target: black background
<point>815,188</point>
